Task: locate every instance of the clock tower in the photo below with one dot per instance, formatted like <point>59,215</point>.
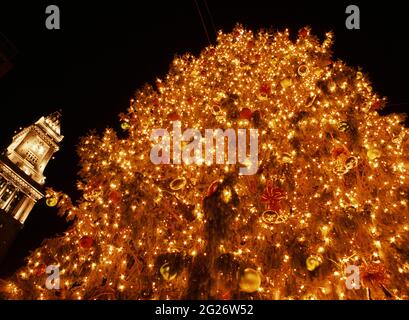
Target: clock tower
<point>22,174</point>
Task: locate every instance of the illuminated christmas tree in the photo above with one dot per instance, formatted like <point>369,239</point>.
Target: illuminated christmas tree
<point>330,188</point>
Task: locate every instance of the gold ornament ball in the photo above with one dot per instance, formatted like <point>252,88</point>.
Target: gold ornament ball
<point>313,262</point>
<point>286,83</point>
<point>250,281</point>
<point>52,201</point>
<point>167,273</point>
<point>125,125</point>
<point>373,154</point>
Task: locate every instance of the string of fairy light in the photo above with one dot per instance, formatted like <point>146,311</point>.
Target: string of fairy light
<point>327,157</point>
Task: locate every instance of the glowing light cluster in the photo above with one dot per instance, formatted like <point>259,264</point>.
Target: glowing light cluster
<point>331,190</point>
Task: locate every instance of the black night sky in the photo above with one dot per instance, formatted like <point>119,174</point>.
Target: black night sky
<point>106,50</point>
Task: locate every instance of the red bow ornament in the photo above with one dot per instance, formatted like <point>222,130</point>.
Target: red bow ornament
<point>272,196</point>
